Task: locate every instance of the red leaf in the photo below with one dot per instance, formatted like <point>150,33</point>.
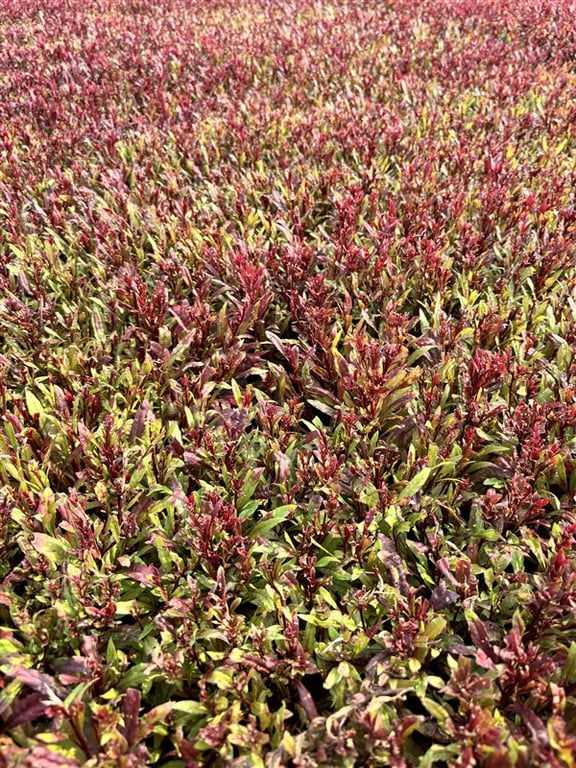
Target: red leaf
<point>483,660</point>
<point>145,574</point>
<point>130,708</point>
<point>307,701</point>
<point>42,757</point>
<point>479,635</point>
<point>26,709</point>
<point>38,681</point>
<point>143,414</point>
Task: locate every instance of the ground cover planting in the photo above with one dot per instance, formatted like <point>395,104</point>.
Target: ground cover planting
<point>287,383</point>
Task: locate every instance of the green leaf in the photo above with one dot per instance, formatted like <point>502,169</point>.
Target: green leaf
<point>333,678</point>
<point>221,678</point>
<point>8,647</point>
<point>418,353</point>
<point>190,707</point>
<point>237,392</point>
<point>111,654</point>
<point>77,693</point>
<point>34,405</point>
<point>416,484</point>
<point>438,712</point>
<point>249,486</point>
<point>277,516</point>
<point>437,753</point>
<point>54,550</point>
<point>435,627</point>
<point>570,665</point>
<point>137,675</point>
<point>11,470</point>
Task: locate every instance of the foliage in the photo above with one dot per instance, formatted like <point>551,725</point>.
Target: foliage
<point>287,382</point>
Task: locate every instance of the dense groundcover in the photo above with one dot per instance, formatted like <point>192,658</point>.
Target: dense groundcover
<point>287,383</point>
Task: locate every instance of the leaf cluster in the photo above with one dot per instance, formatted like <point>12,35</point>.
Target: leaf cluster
<point>287,384</point>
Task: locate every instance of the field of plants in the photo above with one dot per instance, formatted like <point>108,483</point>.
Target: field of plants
<point>287,383</point>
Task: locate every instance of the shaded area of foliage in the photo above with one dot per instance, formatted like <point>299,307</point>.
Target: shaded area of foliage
<point>287,382</point>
